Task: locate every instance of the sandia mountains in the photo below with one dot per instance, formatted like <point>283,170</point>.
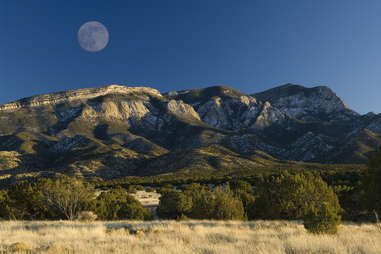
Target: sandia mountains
<point>115,131</point>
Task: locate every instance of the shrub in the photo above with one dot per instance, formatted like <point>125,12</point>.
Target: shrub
<point>198,202</point>
<point>322,220</point>
<point>150,189</point>
<point>226,206</point>
<point>243,191</point>
<point>174,205</point>
<point>239,186</point>
<point>291,196</point>
<point>164,190</point>
<point>132,189</point>
<point>202,200</point>
<point>117,204</point>
<point>86,216</point>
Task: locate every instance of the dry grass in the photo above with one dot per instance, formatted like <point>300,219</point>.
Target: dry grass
<point>183,237</point>
<point>147,199</point>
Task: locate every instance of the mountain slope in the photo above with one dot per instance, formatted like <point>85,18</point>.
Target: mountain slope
<point>116,131</point>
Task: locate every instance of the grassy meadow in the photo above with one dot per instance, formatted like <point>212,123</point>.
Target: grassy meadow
<point>207,237</point>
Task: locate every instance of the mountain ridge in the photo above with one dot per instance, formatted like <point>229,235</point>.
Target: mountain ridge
<point>115,131</point>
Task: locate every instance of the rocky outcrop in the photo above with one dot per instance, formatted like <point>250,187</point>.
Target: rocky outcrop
<point>79,94</point>
<point>238,113</point>
<point>309,104</point>
<point>180,109</point>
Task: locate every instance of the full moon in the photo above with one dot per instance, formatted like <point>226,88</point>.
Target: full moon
<point>93,36</point>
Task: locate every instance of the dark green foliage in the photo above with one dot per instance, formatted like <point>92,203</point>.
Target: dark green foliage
<point>202,199</point>
<point>132,189</point>
<point>239,186</point>
<point>64,198</point>
<point>174,205</point>
<point>61,198</point>
<point>163,191</point>
<point>291,196</point>
<point>243,191</point>
<point>24,201</point>
<point>150,189</point>
<point>198,202</point>
<point>118,204</point>
<point>227,207</point>
<point>372,184</point>
<point>5,210</point>
<point>322,220</point>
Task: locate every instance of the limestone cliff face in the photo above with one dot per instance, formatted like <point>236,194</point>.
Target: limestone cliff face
<point>181,109</point>
<point>77,95</point>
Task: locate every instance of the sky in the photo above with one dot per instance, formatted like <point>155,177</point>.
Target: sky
<point>250,45</point>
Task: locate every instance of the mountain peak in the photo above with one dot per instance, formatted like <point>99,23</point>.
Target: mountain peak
<point>318,103</point>
<point>204,94</point>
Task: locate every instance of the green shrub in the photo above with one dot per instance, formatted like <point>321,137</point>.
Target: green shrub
<point>150,189</point>
<point>198,202</point>
<point>164,190</point>
<point>202,199</point>
<point>322,220</point>
<point>226,206</point>
<point>291,195</point>
<point>132,189</point>
<point>239,186</point>
<point>174,205</point>
<point>372,184</point>
<point>117,204</point>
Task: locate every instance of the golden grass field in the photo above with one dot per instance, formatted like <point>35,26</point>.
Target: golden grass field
<point>168,237</point>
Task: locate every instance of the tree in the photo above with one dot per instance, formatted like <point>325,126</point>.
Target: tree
<point>24,201</point>
<point>226,206</point>
<point>243,191</point>
<point>198,202</point>
<point>117,204</point>
<point>239,186</point>
<point>68,196</point>
<point>202,201</point>
<point>291,196</point>
<point>322,220</point>
<point>174,204</point>
<point>372,184</point>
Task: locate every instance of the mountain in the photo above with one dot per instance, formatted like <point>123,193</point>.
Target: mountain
<point>115,131</point>
<point>309,104</point>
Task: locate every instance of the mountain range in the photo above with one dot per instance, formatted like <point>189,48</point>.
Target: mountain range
<point>114,131</point>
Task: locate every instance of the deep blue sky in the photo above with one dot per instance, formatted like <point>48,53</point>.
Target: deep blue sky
<point>251,45</point>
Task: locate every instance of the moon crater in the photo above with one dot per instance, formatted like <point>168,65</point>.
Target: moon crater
<point>93,36</point>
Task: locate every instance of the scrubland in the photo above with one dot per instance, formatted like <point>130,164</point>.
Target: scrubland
<point>273,237</point>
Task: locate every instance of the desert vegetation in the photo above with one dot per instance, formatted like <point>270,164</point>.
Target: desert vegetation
<point>289,212</point>
<point>205,237</point>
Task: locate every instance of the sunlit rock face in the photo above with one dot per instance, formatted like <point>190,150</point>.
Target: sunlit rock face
<point>309,104</point>
<point>77,95</point>
<point>227,108</point>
